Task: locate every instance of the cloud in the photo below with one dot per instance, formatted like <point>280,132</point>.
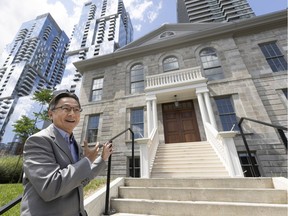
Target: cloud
<point>152,15</point>
<point>137,27</point>
<point>66,14</point>
<point>13,13</point>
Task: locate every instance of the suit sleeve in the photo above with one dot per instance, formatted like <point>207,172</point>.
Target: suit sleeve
<point>49,170</point>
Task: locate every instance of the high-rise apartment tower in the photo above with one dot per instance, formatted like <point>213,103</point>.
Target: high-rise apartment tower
<point>103,27</point>
<point>34,60</point>
<point>195,11</point>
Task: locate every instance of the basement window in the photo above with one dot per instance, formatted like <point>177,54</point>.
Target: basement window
<point>136,165</point>
<point>247,165</point>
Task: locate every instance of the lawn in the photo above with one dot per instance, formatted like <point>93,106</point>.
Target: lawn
<point>9,192</point>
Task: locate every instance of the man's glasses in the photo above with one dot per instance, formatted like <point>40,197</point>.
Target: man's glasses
<point>68,109</point>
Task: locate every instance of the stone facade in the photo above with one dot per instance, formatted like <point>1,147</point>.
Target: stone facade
<point>256,91</point>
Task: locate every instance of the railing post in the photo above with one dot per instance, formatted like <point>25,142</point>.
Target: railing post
<point>247,148</point>
<point>283,137</point>
<point>280,130</point>
<point>108,211</point>
<point>133,158</point>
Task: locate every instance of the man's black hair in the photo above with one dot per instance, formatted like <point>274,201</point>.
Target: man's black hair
<point>57,97</point>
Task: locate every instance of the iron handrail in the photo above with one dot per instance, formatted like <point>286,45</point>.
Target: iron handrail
<point>279,128</point>
<point>9,205</point>
<point>107,211</point>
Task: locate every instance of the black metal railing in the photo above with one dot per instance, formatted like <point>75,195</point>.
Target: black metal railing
<point>107,210</point>
<point>9,205</point>
<point>280,130</point>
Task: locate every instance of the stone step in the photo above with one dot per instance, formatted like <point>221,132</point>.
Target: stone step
<point>192,159</point>
<point>194,163</point>
<point>187,174</point>
<point>197,208</point>
<point>188,157</point>
<point>187,152</point>
<point>201,182</point>
<point>184,168</point>
<point>271,196</point>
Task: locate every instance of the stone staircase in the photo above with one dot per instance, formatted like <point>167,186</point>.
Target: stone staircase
<point>185,160</point>
<point>202,197</point>
<point>188,179</point>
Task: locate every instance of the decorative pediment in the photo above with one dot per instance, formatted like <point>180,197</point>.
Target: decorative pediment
<point>171,32</point>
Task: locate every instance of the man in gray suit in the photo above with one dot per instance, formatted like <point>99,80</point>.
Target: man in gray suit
<point>55,167</point>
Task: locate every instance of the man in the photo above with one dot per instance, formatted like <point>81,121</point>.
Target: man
<point>55,168</point>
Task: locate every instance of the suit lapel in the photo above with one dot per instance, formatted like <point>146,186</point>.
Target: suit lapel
<point>60,141</point>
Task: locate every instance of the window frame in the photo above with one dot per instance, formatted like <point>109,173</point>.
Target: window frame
<point>170,64</point>
<point>95,90</point>
<point>225,111</point>
<point>137,133</point>
<point>247,167</point>
<point>137,79</point>
<point>273,58</point>
<point>215,69</point>
<point>88,129</point>
<point>137,167</point>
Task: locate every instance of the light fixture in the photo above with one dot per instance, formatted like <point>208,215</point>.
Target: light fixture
<point>176,103</point>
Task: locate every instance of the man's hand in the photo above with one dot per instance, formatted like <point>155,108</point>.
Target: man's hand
<point>107,150</point>
<point>91,153</point>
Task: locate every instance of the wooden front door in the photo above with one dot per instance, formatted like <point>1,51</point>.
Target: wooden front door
<point>180,123</point>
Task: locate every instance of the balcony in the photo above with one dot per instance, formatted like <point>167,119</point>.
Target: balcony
<point>173,79</point>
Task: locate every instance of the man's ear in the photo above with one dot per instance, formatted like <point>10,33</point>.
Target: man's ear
<point>50,114</point>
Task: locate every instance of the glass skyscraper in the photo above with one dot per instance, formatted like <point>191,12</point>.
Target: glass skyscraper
<point>103,27</point>
<point>195,11</point>
<point>34,60</point>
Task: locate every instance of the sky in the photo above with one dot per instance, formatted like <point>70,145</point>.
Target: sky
<point>146,15</point>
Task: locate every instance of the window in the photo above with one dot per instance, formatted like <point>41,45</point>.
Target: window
<point>273,56</point>
<point>92,128</point>
<point>227,114</point>
<point>211,65</point>
<point>170,63</point>
<point>136,166</point>
<point>137,79</point>
<point>137,122</point>
<point>247,165</point>
<point>96,94</point>
<point>166,34</point>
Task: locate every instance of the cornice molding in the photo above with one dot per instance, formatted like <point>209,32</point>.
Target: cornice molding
<point>132,50</point>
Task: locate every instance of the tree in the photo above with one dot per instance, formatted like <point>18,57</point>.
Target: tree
<point>43,97</point>
<point>25,127</point>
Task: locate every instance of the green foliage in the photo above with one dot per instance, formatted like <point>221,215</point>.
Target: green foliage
<point>10,169</point>
<point>93,186</point>
<point>43,97</point>
<point>9,192</point>
<point>25,127</point>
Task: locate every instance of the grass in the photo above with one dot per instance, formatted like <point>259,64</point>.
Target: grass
<point>9,192</point>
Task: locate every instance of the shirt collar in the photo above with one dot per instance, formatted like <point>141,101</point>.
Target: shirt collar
<point>63,133</point>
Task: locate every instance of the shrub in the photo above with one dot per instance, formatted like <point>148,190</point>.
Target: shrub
<point>10,169</point>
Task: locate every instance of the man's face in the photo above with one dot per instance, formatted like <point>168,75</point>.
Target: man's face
<point>66,114</point>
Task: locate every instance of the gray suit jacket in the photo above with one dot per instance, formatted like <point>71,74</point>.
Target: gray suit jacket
<point>53,185</point>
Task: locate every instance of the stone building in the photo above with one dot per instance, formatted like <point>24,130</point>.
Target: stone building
<point>190,83</point>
